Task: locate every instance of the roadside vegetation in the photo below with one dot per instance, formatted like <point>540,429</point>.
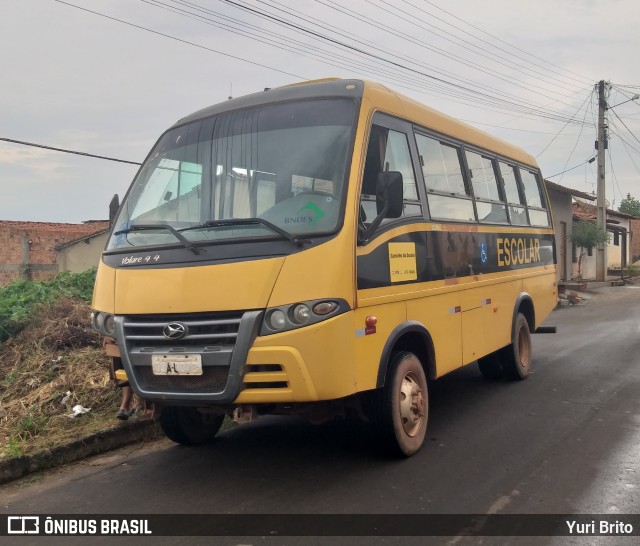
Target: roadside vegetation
<point>48,349</point>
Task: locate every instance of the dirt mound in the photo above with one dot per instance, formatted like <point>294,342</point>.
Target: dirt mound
<point>57,353</point>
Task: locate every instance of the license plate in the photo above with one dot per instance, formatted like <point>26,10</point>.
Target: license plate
<point>176,364</point>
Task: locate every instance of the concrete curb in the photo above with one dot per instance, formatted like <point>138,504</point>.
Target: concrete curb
<point>96,443</point>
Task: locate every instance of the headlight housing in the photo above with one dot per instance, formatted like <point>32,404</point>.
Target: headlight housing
<point>303,313</point>
<point>104,323</point>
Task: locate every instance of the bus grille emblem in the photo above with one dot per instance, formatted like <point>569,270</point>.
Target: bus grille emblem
<point>174,330</point>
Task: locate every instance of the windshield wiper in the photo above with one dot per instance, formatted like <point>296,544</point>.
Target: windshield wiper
<point>297,241</point>
<point>147,227</point>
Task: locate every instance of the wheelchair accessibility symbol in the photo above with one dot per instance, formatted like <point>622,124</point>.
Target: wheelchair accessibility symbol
<point>484,257</point>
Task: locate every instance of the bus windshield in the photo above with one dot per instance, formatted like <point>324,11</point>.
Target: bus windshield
<point>283,164</point>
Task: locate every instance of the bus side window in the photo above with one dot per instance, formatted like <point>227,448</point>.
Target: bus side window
<point>534,194</point>
<point>448,196</point>
<point>490,207</point>
<point>515,200</point>
<point>388,151</point>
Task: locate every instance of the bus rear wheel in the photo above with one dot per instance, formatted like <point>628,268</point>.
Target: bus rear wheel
<point>402,411</point>
<point>516,358</point>
<point>188,426</point>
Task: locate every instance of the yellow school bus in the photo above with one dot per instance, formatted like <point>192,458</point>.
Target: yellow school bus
<point>323,249</point>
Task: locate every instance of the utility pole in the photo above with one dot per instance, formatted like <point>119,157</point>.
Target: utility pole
<point>601,145</point>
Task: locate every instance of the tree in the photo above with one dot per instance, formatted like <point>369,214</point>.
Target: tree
<point>630,205</point>
<point>587,235</point>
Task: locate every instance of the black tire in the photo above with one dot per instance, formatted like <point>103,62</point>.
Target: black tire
<point>516,358</point>
<point>399,422</point>
<point>188,426</point>
<point>490,366</point>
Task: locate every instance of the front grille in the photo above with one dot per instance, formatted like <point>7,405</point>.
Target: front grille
<point>213,379</point>
<point>210,329</point>
<point>211,335</point>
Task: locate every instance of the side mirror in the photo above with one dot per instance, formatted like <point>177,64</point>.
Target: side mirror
<point>389,194</point>
<point>389,201</point>
<point>114,205</point>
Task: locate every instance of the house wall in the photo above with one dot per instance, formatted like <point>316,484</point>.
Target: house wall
<point>561,212</point>
<point>83,255</point>
<point>634,251</point>
<point>619,255</point>
<point>28,249</point>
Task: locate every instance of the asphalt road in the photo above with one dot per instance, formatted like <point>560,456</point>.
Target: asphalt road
<point>566,440</point>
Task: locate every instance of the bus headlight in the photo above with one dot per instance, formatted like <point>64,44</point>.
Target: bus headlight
<point>104,323</point>
<point>109,324</point>
<point>300,314</point>
<point>277,320</point>
<point>303,313</point>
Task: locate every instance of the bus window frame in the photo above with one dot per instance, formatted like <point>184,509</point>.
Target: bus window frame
<point>459,146</point>
<point>399,125</point>
<point>543,196</point>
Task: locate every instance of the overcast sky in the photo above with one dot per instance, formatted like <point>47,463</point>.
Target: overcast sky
<point>73,79</point>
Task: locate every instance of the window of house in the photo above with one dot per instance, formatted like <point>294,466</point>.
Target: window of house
<point>448,196</point>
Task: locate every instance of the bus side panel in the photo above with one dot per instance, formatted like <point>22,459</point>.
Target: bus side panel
<point>487,318</point>
<point>369,346</point>
<point>543,291</point>
<point>442,316</point>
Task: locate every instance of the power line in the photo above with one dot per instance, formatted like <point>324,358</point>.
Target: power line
<point>403,35</point>
<point>572,168</point>
<point>66,151</point>
<point>530,108</point>
<point>567,123</point>
<point>625,125</point>
<point>484,96</point>
<point>482,51</point>
<point>503,41</point>
<point>179,39</point>
<point>586,110</point>
<point>485,100</point>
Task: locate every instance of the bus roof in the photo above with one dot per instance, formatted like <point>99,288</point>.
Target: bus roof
<point>378,97</point>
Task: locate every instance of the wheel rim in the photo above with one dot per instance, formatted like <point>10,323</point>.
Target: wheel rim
<point>524,347</point>
<point>412,404</point>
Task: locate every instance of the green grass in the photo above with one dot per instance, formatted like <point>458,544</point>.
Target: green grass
<point>13,448</point>
<point>19,299</point>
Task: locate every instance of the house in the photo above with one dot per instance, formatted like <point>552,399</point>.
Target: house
<point>561,200</point>
<point>83,253</point>
<point>617,251</point>
<point>30,250</point>
<point>635,239</point>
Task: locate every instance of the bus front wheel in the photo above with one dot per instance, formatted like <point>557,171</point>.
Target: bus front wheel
<point>402,410</point>
<point>516,358</point>
<point>188,426</point>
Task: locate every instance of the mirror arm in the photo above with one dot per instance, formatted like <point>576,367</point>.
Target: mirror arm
<point>363,239</point>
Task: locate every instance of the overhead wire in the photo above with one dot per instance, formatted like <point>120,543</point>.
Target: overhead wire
<point>571,168</point>
<point>518,107</point>
<point>67,151</point>
<point>584,78</point>
<point>567,123</point>
<point>140,27</point>
<point>483,98</point>
<point>467,45</point>
<point>579,135</point>
<point>403,35</point>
